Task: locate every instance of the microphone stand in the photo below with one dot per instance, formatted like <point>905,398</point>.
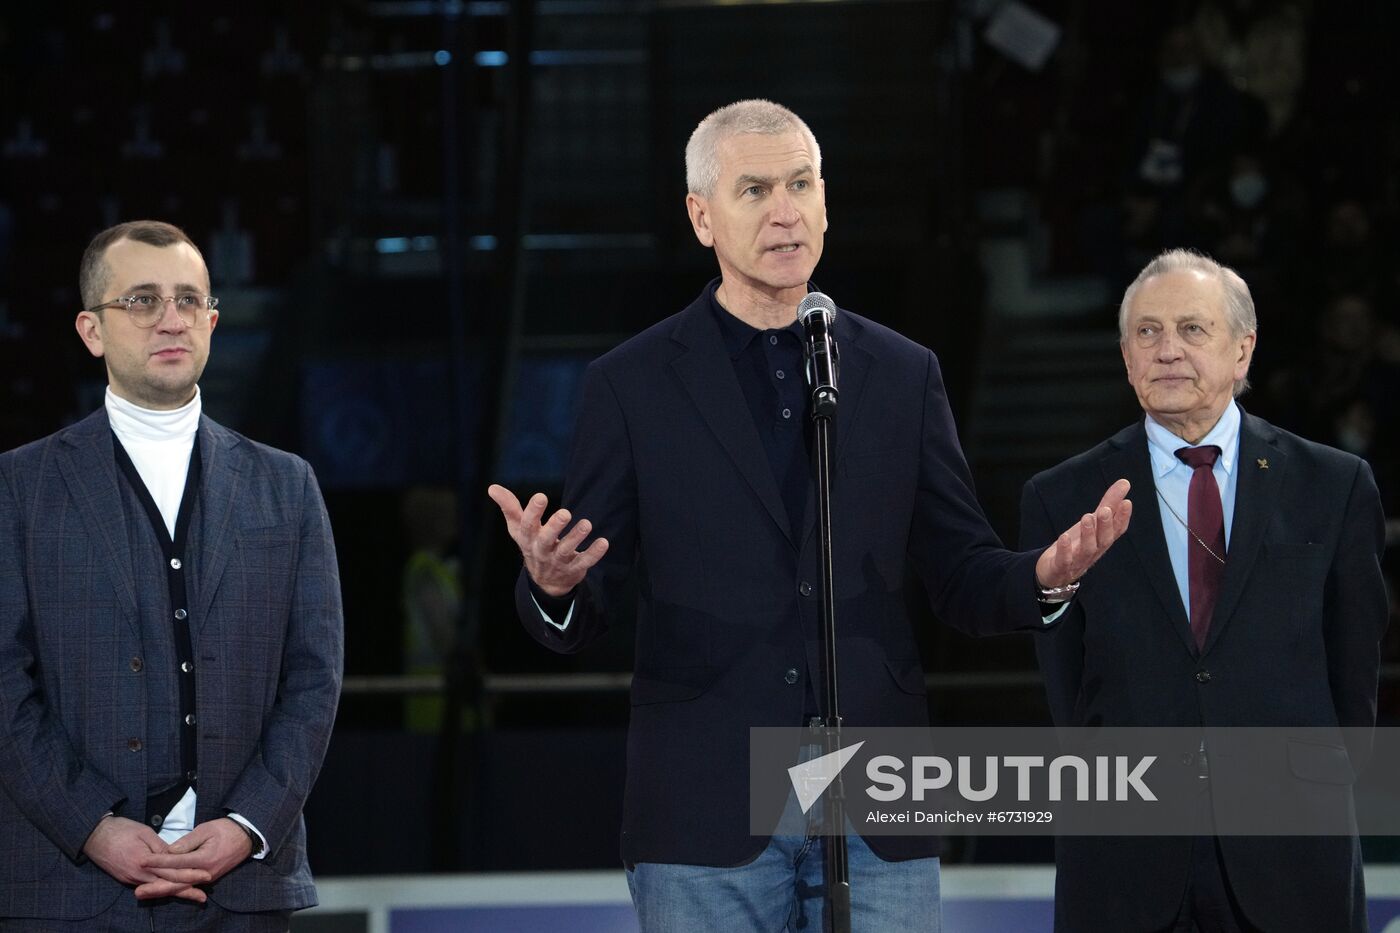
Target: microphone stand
<point>824,395</point>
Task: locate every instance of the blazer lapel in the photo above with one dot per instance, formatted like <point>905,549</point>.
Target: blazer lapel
<point>1255,495</point>
<point>89,468</point>
<point>221,488</point>
<point>707,373</point>
<point>1130,459</point>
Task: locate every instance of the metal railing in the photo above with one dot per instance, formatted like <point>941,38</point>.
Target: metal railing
<point>620,681</point>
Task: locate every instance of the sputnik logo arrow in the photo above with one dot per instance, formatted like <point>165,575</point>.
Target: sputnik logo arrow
<point>811,778</point>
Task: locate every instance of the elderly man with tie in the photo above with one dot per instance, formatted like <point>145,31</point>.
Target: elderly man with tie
<point>1251,595</point>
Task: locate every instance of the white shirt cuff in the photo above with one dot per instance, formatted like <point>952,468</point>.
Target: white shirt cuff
<point>262,854</point>
<point>568,616</point>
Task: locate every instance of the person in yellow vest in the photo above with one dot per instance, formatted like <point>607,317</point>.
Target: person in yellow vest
<point>432,596</point>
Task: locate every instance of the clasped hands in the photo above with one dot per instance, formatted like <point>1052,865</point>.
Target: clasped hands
<point>132,853</point>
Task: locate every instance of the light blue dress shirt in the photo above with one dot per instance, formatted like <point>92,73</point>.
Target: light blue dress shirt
<point>1173,480</point>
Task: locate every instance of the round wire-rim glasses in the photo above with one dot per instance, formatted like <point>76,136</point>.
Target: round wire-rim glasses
<point>147,308</point>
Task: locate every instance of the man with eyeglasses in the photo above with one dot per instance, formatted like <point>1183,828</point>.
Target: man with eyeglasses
<point>1249,594</point>
<point>170,634</point>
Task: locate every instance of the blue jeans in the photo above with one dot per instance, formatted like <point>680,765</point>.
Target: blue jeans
<point>783,891</point>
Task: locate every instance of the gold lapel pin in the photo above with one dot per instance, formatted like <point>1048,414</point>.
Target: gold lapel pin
<point>1263,463</point>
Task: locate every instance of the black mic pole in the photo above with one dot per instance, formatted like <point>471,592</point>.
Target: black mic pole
<point>816,312</point>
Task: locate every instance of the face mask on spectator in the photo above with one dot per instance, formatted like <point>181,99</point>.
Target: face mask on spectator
<point>1249,189</point>
<point>1181,80</point>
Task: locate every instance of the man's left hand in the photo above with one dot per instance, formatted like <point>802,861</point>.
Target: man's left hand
<point>216,847</point>
<point>1075,551</point>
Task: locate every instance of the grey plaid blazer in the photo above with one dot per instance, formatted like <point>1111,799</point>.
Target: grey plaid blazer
<point>267,629</point>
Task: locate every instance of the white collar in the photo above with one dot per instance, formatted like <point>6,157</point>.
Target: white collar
<point>132,422</point>
<point>1162,444</point>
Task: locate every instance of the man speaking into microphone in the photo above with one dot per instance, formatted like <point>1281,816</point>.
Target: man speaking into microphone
<point>691,476</point>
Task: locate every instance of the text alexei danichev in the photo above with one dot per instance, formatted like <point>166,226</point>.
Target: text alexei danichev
<point>958,816</point>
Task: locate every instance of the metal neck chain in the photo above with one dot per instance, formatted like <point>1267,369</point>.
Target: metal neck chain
<point>1189,530</point>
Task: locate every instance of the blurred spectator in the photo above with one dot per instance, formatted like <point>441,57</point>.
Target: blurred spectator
<point>432,595</point>
<point>1252,216</point>
<point>1261,48</point>
<point>1350,257</point>
<point>1340,389</point>
<point>1249,216</point>
<point>1187,125</point>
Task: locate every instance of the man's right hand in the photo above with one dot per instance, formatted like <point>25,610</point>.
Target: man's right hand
<point>118,846</point>
<point>554,563</point>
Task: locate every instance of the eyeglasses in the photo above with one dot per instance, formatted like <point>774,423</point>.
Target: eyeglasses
<point>147,308</point>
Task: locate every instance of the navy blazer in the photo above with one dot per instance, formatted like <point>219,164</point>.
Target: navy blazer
<point>668,465</point>
<point>267,634</point>
<point>1295,641</point>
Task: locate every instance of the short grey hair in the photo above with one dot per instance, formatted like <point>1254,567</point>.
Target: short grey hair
<point>761,117</point>
<point>1239,304</point>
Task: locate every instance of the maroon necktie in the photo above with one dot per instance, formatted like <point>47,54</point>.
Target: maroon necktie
<point>1205,537</point>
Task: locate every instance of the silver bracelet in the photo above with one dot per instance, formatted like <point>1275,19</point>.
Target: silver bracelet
<point>1057,594</point>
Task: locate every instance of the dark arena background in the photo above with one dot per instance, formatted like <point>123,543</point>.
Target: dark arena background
<point>423,218</point>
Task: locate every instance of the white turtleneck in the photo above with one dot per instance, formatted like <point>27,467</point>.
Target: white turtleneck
<point>159,444</point>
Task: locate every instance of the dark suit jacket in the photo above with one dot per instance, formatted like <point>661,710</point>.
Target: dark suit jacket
<point>1295,641</point>
<point>267,635</point>
<point>668,465</point>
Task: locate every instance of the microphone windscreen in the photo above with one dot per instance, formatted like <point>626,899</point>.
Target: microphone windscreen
<point>814,302</point>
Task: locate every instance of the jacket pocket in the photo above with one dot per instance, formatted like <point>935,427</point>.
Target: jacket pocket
<point>1322,764</point>
<point>879,461</point>
<point>670,685</point>
<point>266,536</point>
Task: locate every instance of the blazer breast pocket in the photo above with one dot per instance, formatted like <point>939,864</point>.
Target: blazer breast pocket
<point>267,549</point>
<point>261,575</point>
<point>1294,550</point>
<point>263,537</point>
<point>876,462</point>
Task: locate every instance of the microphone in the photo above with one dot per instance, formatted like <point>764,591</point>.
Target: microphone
<point>817,312</point>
